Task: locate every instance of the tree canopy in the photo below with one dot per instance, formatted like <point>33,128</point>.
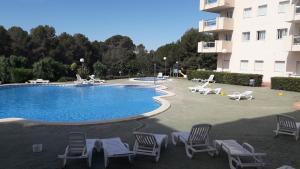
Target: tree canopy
<point>41,53</point>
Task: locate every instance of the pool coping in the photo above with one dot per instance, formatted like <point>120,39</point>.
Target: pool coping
<point>165,105</point>
<point>158,81</point>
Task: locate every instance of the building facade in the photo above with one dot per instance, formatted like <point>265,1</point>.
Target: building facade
<point>254,36</point>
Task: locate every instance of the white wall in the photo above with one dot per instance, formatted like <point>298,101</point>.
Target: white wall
<point>269,50</point>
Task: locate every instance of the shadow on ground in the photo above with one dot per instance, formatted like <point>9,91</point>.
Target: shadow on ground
<point>17,138</point>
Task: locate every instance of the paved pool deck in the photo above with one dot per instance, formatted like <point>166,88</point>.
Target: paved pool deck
<point>246,121</point>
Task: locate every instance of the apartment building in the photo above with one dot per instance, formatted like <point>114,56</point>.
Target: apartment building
<point>254,36</point>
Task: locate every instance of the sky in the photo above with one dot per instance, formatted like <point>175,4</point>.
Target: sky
<point>150,22</point>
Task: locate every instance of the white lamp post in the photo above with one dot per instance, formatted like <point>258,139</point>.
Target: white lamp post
<point>177,67</point>
<point>81,61</point>
<point>165,59</point>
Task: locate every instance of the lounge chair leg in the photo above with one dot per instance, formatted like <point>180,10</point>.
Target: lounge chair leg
<point>105,161</point>
<point>188,153</point>
<point>166,142</point>
<point>130,159</point>
<point>231,163</point>
<point>64,163</point>
<point>89,161</point>
<point>174,139</point>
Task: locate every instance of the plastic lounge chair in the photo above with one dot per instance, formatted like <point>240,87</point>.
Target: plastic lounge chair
<point>213,91</point>
<point>39,81</point>
<point>240,155</point>
<point>287,125</point>
<point>160,75</point>
<point>195,141</point>
<point>81,81</point>
<point>286,167</point>
<point>196,80</point>
<point>76,149</point>
<point>95,80</point>
<point>199,88</point>
<point>113,148</point>
<point>238,96</point>
<point>149,144</point>
<point>210,79</point>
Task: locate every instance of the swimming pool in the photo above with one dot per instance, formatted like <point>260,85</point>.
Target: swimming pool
<point>76,104</point>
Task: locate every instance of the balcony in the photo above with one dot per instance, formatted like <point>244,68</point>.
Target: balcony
<point>294,14</point>
<point>216,5</point>
<point>216,25</point>
<point>296,43</point>
<point>219,46</point>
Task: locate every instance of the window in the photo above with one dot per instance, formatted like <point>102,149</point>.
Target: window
<point>258,65</point>
<point>244,65</point>
<point>262,10</point>
<point>261,35</point>
<point>279,66</point>
<point>246,36</point>
<point>226,65</point>
<point>283,6</point>
<point>247,12</point>
<point>228,36</point>
<point>281,33</point>
<point>229,14</point>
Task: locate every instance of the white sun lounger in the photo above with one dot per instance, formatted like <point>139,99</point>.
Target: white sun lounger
<point>39,81</point>
<point>286,167</point>
<point>81,81</point>
<point>238,96</point>
<point>212,91</point>
<point>287,125</point>
<point>240,155</point>
<point>199,88</point>
<point>195,141</point>
<point>149,144</point>
<point>113,148</point>
<point>95,80</point>
<point>209,80</point>
<point>78,148</point>
<point>160,75</point>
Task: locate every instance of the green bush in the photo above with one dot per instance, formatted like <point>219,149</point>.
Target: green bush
<point>4,70</point>
<point>286,83</point>
<point>100,69</point>
<point>21,75</point>
<point>83,72</point>
<point>227,78</point>
<point>49,69</point>
<point>66,79</point>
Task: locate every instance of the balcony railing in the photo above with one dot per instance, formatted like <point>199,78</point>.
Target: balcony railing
<point>207,45</point>
<point>210,23</point>
<point>216,25</point>
<point>216,5</point>
<point>218,46</point>
<point>211,1</point>
<point>296,40</point>
<point>293,14</point>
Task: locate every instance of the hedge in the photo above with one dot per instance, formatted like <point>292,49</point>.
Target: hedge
<point>21,75</point>
<point>286,83</point>
<point>227,78</point>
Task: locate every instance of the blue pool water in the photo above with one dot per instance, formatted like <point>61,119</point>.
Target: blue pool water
<point>76,104</point>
